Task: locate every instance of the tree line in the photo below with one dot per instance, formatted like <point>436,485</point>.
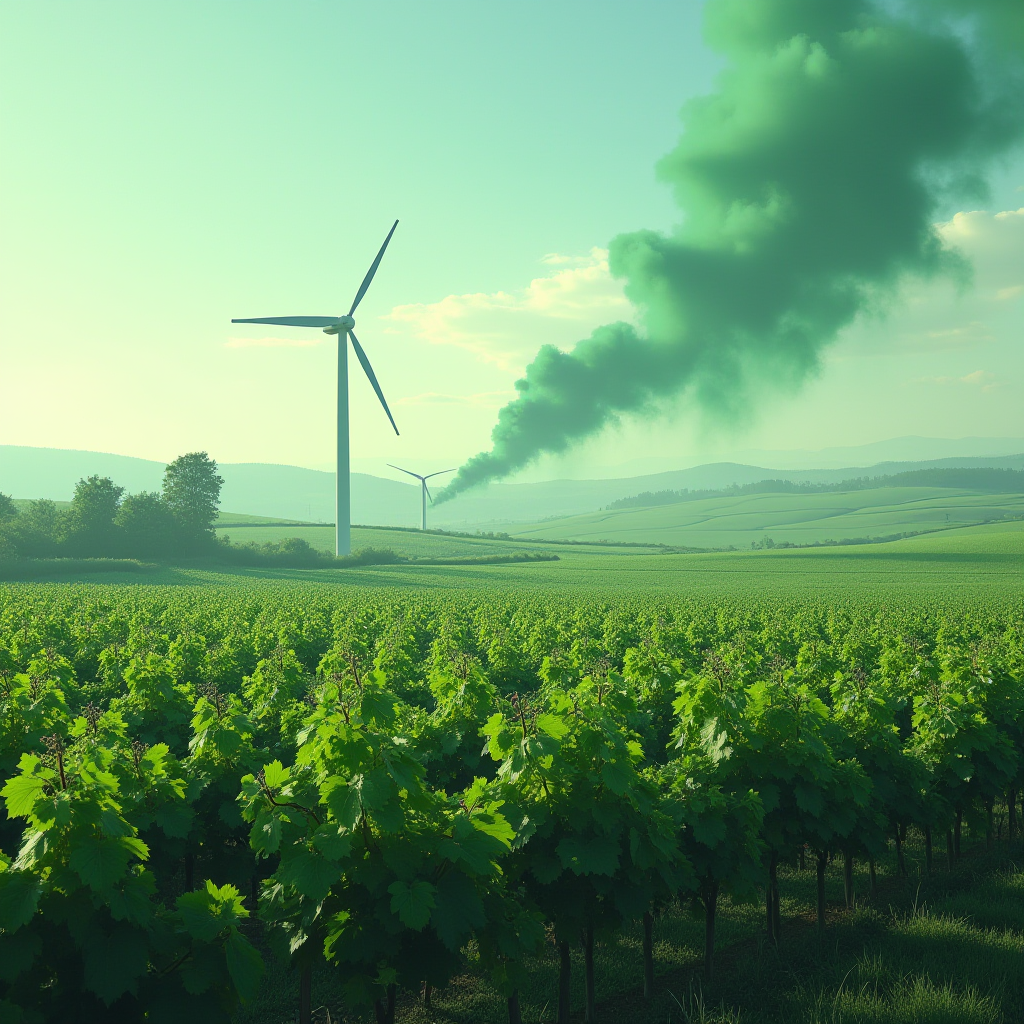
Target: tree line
<point>984,480</point>
<point>102,521</point>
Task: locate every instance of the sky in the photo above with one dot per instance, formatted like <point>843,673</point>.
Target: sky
<point>169,166</point>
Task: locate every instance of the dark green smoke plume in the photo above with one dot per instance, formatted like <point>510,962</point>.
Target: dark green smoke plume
<point>808,182</point>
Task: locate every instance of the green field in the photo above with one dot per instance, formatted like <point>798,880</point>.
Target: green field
<point>408,542</point>
<point>985,562</point>
<point>736,521</point>
<point>454,642</point>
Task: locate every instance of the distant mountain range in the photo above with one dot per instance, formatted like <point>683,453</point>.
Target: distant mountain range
<point>291,492</point>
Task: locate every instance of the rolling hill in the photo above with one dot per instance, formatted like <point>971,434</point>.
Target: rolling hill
<point>292,492</point>
<point>738,521</point>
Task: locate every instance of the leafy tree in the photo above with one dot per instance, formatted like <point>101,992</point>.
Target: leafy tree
<point>147,525</point>
<point>35,532</point>
<point>89,522</point>
<point>8,510</point>
<point>191,490</point>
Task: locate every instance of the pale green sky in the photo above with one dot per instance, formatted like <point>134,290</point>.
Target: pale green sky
<point>169,165</point>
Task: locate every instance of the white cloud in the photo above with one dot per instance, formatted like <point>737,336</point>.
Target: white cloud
<point>272,342</point>
<point>943,313</point>
<point>507,328</point>
<point>978,379</point>
<point>994,244</point>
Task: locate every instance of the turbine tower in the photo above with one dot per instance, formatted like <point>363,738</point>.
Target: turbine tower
<point>425,493</point>
<point>343,327</point>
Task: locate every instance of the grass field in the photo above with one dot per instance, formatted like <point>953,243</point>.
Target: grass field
<point>410,542</point>
<point>797,518</point>
<point>944,949</point>
<point>970,562</point>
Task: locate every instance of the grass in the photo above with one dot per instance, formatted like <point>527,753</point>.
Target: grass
<point>971,563</point>
<point>941,949</point>
<point>408,542</point>
<point>739,520</point>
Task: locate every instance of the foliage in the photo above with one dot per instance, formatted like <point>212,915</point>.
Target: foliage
<point>400,778</point>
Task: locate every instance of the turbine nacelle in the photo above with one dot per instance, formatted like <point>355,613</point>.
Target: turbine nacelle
<point>344,325</point>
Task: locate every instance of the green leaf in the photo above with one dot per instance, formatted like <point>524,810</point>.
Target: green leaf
<point>199,915</point>
<point>709,831</point>
<point>266,833</point>
<point>310,873</point>
<point>19,897</point>
<point>555,726</point>
<point>21,794</point>
<point>595,856</point>
<point>130,901</point>
<point>16,956</point>
<point>378,707</point>
<point>206,912</point>
<point>458,910</point>
<point>114,963</point>
<point>174,820</point>
<point>343,801</point>
<point>617,776</point>
<point>245,965</point>
<point>376,788</point>
<point>334,843</point>
<point>412,902</point>
<point>100,862</point>
<point>276,774</point>
<point>472,846</point>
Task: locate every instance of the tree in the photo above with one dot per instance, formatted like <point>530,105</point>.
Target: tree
<point>148,526</point>
<point>90,519</point>
<point>8,514</point>
<point>192,492</point>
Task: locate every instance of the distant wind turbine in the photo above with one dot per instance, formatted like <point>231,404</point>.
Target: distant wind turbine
<point>341,326</point>
<point>425,493</point>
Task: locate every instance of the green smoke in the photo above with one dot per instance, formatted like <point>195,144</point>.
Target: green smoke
<point>809,182</point>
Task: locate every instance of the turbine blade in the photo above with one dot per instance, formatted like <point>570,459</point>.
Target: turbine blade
<point>292,321</point>
<point>440,472</point>
<point>427,489</point>
<point>371,272</point>
<point>409,471</point>
<point>368,370</point>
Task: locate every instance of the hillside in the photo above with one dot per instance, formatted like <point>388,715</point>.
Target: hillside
<point>740,520</point>
<point>295,493</point>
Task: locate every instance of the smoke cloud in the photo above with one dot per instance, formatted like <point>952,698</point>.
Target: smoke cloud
<point>809,183</point>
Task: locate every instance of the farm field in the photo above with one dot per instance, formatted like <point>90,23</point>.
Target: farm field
<point>217,699</point>
<point>737,521</point>
<point>408,542</point>
<point>982,562</point>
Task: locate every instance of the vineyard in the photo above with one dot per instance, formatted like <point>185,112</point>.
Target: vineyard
<point>221,800</point>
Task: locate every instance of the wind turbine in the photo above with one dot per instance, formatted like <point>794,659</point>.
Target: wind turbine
<point>425,493</point>
<point>342,326</point>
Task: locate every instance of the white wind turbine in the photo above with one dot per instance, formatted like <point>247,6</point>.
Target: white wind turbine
<point>342,326</point>
<point>424,494</point>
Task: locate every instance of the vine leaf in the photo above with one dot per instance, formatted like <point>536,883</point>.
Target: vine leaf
<point>244,965</point>
<point>412,902</point>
